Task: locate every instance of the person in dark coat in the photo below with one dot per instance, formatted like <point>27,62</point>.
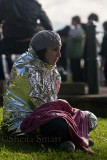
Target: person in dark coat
<point>19,23</point>
<point>103,51</point>
<point>93,17</point>
<point>62,63</point>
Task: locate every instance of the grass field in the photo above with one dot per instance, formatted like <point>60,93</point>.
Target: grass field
<point>11,150</point>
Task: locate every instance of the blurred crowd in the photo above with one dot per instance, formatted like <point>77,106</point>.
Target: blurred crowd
<point>19,22</point>
<point>73,62</point>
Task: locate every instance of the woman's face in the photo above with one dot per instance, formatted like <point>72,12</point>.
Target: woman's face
<point>52,55</point>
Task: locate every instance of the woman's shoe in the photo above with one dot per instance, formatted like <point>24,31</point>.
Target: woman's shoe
<point>91,143</point>
<point>67,146</point>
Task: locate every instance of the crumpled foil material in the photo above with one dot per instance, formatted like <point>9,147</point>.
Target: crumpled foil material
<point>31,83</point>
<point>92,120</point>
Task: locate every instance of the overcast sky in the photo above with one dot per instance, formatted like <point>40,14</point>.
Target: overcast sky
<point>61,11</point>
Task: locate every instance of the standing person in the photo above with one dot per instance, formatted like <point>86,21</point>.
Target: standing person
<point>75,47</point>
<point>91,19</point>
<point>19,23</point>
<point>62,63</point>
<point>31,103</point>
<point>103,52</point>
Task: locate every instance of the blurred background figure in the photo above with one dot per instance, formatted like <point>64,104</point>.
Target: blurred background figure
<point>92,18</point>
<point>62,63</point>
<point>74,48</point>
<point>20,20</point>
<point>103,52</point>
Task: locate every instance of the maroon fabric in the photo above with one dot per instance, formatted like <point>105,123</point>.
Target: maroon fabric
<point>77,121</point>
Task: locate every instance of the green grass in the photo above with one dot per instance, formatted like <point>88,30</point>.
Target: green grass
<point>11,150</point>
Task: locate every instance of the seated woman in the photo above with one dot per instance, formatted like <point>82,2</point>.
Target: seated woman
<point>31,103</point>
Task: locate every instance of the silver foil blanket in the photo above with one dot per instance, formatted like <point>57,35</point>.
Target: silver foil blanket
<point>32,83</point>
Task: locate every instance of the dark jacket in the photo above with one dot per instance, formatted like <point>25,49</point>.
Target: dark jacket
<point>103,51</point>
<point>19,18</point>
